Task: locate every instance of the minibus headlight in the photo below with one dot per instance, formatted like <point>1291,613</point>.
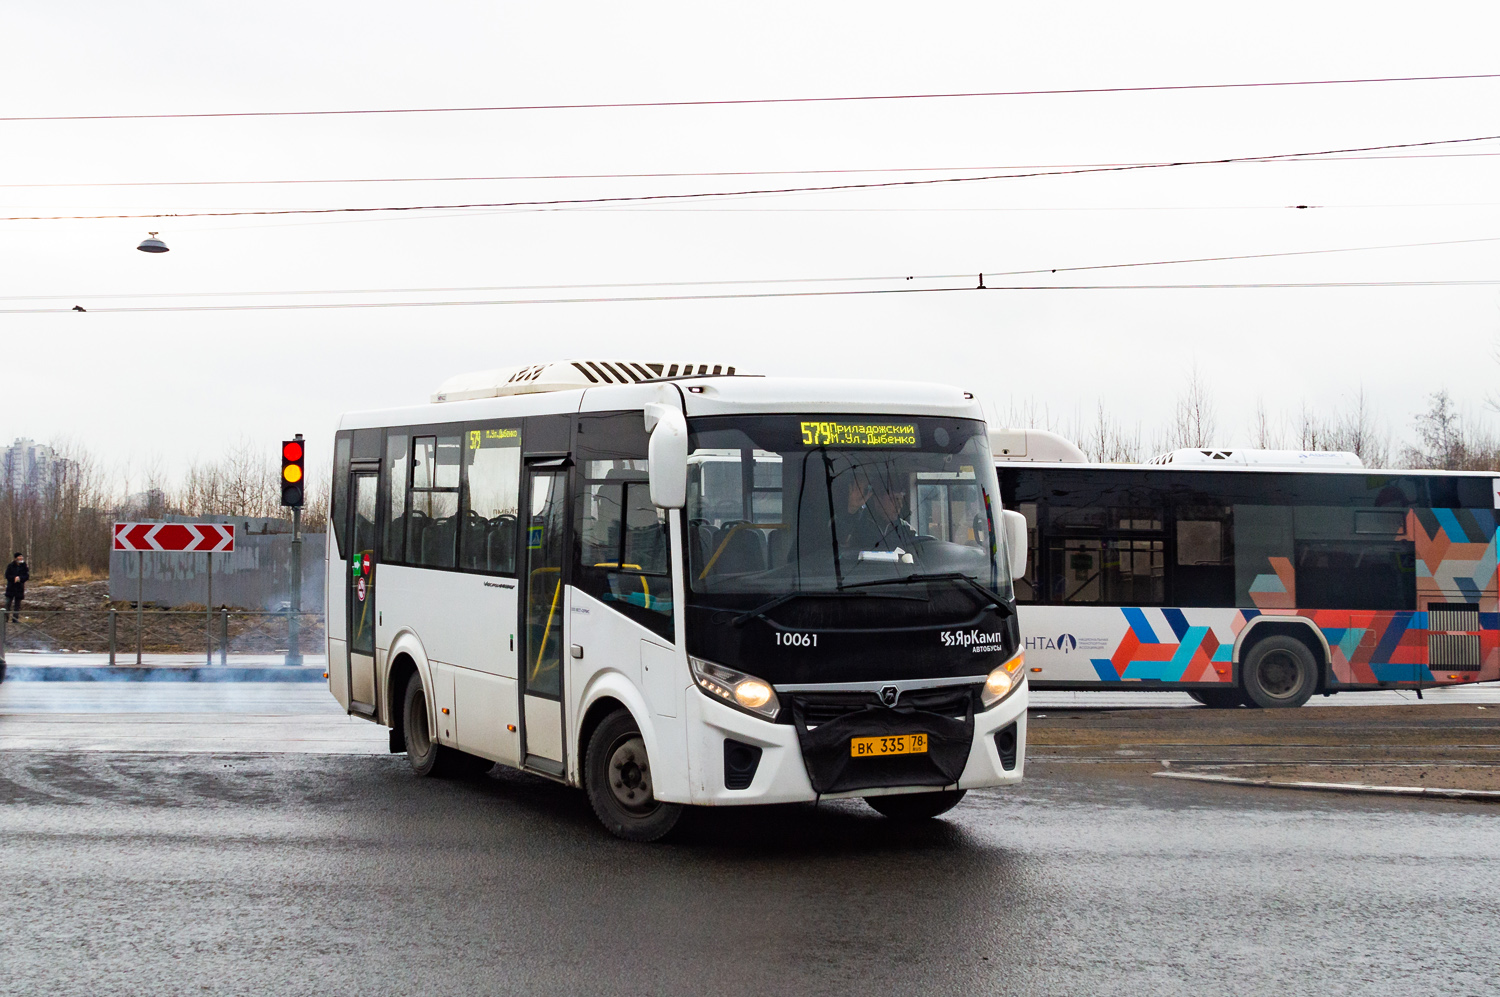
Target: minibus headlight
<point>747,692</point>
<point>1003,680</point>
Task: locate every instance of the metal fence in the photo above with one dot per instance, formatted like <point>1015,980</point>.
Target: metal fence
<point>126,634</point>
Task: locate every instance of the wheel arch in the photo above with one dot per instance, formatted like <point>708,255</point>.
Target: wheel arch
<point>608,692</point>
<point>1299,628</point>
<point>405,658</point>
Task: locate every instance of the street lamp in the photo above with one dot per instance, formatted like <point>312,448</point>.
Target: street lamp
<point>151,244</point>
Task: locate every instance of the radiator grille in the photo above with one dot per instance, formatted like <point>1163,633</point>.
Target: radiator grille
<point>821,707</point>
<point>1452,616</point>
<point>1456,651</point>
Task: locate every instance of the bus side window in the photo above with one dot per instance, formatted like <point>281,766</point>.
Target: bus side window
<point>492,498</point>
<point>432,524</point>
<point>339,507</point>
<point>622,544</point>
<point>397,478</point>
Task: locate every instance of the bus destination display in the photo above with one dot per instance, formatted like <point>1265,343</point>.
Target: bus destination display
<point>859,434</point>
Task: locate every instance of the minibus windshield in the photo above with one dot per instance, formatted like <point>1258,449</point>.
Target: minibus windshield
<point>781,505</point>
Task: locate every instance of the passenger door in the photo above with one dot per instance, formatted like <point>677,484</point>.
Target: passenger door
<point>360,597</point>
<point>544,623</point>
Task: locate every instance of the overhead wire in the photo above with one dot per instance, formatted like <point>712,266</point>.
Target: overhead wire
<point>638,198</point>
<point>1309,158</point>
<point>753,281</point>
<point>614,105</point>
<point>314,306</point>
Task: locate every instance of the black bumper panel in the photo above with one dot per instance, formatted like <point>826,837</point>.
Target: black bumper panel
<point>831,769</point>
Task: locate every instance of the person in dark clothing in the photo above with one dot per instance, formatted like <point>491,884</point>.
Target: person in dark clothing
<point>16,577</point>
<point>871,522</point>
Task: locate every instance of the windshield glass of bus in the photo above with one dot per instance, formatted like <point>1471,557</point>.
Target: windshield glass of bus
<point>781,504</point>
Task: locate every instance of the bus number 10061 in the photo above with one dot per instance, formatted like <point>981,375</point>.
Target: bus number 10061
<point>796,640</point>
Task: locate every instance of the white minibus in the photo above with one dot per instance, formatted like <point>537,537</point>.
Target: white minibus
<point>671,585</point>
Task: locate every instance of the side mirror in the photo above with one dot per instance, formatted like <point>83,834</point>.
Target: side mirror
<point>667,453</point>
<point>1015,542</point>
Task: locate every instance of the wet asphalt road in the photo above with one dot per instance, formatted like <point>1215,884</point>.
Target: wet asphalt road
<point>137,873</point>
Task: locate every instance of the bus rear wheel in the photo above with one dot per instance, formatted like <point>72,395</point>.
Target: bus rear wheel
<point>427,757</point>
<point>909,807</point>
<point>617,777</point>
<point>1279,672</point>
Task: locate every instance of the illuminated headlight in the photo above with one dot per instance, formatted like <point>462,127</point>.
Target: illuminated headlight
<point>1003,680</point>
<point>747,692</point>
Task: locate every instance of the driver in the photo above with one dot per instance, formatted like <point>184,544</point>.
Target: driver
<point>871,517</point>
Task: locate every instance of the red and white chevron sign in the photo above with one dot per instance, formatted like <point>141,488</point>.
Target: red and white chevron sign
<point>205,538</point>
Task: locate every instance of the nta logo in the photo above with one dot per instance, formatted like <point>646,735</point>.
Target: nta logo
<point>1062,642</point>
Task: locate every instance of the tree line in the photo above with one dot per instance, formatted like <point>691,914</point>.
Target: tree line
<point>1443,436</point>
<point>63,522</point>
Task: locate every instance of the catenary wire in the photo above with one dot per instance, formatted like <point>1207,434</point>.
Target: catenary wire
<point>754,100</point>
<point>756,281</point>
<point>313,306</point>
<point>637,198</point>
<point>1310,158</point>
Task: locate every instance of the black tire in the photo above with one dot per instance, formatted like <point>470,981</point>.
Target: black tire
<point>427,757</point>
<point>1219,699</point>
<point>1279,672</point>
<point>617,777</point>
<point>1197,697</point>
<point>916,806</point>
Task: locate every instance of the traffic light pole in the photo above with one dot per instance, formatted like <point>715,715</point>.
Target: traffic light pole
<point>294,648</point>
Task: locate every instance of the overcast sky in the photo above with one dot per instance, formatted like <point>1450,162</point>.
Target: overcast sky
<point>182,383</point>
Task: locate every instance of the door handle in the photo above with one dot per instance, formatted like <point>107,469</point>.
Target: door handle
<point>577,650</point>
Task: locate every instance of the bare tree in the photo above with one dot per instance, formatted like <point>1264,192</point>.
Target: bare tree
<point>1263,433</point>
<point>1194,421</point>
<point>1445,442</point>
<point>1106,441</point>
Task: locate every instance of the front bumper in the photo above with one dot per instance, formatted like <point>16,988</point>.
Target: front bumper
<point>781,776</point>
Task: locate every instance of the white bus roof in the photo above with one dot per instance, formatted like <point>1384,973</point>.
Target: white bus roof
<point>1261,458</point>
<point>699,396</point>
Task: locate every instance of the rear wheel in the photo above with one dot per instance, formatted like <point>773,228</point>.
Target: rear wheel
<point>1279,672</point>
<point>916,806</point>
<point>617,777</point>
<point>427,757</point>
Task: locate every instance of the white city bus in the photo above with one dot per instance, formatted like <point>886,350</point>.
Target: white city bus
<point>671,585</point>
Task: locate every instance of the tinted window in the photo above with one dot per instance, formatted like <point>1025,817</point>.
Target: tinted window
<point>622,540</point>
<point>432,522</point>
<point>339,508</point>
<point>397,478</point>
<point>492,456</point>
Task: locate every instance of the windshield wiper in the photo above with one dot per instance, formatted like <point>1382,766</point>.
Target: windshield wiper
<point>1001,603</point>
<point>781,600</point>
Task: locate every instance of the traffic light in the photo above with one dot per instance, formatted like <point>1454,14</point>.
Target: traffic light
<point>292,482</point>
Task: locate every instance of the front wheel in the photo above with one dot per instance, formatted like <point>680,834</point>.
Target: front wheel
<point>916,806</point>
<point>617,777</point>
<point>1280,672</point>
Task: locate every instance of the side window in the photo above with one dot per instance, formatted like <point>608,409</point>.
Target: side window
<point>624,559</point>
<point>621,537</point>
<point>397,472</point>
<point>492,458</point>
<point>432,522</point>
<point>339,508</point>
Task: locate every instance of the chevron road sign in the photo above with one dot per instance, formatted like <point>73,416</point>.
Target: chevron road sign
<point>203,538</point>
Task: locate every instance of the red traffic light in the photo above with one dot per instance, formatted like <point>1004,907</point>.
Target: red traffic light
<point>291,473</point>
